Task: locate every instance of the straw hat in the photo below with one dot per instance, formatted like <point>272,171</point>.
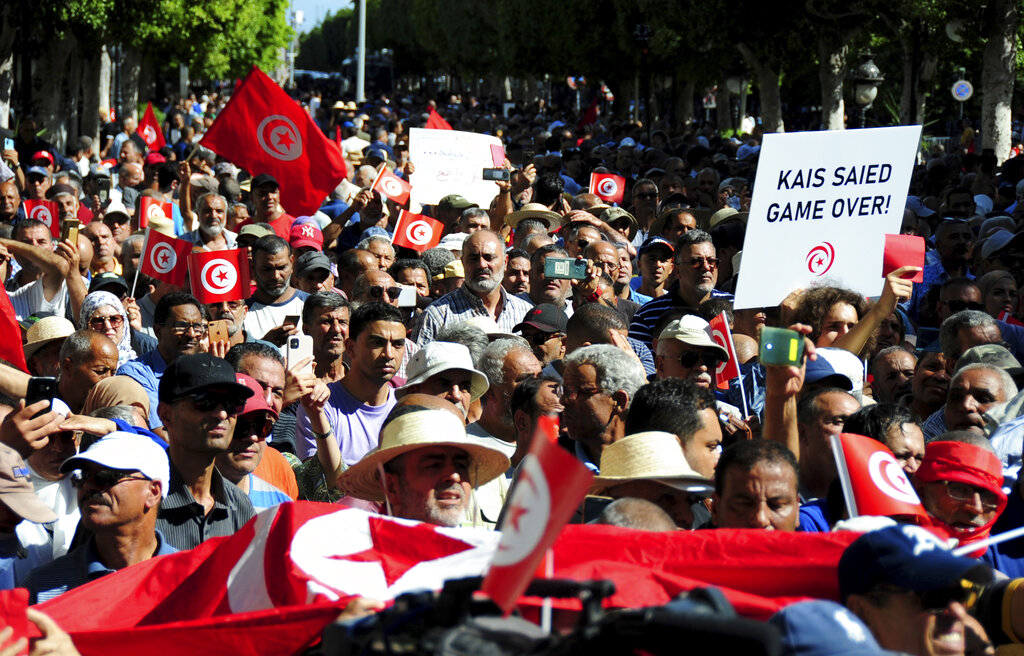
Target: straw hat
<point>652,456</point>
<point>416,430</point>
<point>728,214</point>
<point>44,331</point>
<point>535,211</point>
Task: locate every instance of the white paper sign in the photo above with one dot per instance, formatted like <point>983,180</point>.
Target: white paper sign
<point>451,162</point>
<point>822,205</point>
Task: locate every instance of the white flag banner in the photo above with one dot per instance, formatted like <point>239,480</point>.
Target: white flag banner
<point>450,162</point>
<point>822,205</point>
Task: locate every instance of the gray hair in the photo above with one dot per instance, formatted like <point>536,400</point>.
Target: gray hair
<point>123,412</point>
<point>889,350</point>
<point>203,200</point>
<point>640,514</point>
<point>966,437</point>
<point>615,369</point>
<point>436,258</point>
<point>1005,381</point>
<point>78,346</point>
<point>492,362</point>
<point>365,244</point>
<point>470,336</point>
<point>950,330</point>
<point>471,212</point>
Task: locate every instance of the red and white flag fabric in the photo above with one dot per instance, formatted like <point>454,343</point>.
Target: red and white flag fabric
<point>1006,316</point>
<point>162,255</point>
<point>608,187</point>
<point>10,334</point>
<point>392,186</point>
<point>153,208</point>
<point>722,336</point>
<point>873,482</point>
<point>549,487</point>
<point>436,122</point>
<point>264,131</point>
<point>219,276</point>
<point>149,129</point>
<point>417,231</point>
<point>46,212</point>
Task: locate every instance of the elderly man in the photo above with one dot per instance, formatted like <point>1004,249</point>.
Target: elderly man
<point>121,481</point>
<point>425,468</point>
<point>893,370</point>
<point>544,328</point>
<point>375,286</point>
<point>232,312</point>
<point>913,594</point>
<point>696,271</point>
<point>325,317</point>
<point>380,247</point>
<point>755,487</point>
<point>686,350</point>
<point>248,444</point>
<point>600,382</point>
<point>275,300</point>
<point>483,258</point>
<point>445,370</point>
<point>965,330</point>
<point>212,235</point>
<point>506,363</point>
<point>200,399</point>
<point>974,390</point>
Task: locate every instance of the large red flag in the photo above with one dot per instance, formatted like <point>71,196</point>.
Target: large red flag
<point>152,208</point>
<point>549,487</point>
<point>219,276</point>
<point>46,212</point>
<point>608,187</point>
<point>149,129</point>
<point>10,334</point>
<point>392,186</point>
<point>873,482</point>
<point>264,131</point>
<point>720,332</point>
<point>162,255</point>
<point>435,122</point>
<point>417,231</point>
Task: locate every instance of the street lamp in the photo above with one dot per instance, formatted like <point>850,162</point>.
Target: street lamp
<point>866,79</point>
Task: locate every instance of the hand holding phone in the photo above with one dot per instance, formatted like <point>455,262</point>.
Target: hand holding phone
<point>297,348</point>
<point>565,268</point>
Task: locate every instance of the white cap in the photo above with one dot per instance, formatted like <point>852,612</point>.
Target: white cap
<point>128,452</point>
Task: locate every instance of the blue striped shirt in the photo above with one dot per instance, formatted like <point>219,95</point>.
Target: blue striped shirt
<point>647,317</point>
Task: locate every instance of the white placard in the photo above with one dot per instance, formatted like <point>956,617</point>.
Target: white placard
<point>822,205</point>
<point>450,162</point>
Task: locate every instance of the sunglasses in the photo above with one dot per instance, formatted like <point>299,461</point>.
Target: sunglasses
<point>689,360</point>
<point>711,263</point>
<point>105,479</point>
<point>208,402</point>
<point>261,427</point>
<point>963,591</point>
<point>647,196</point>
<point>377,291</point>
<point>960,306</point>
<point>540,338</point>
<point>97,323</point>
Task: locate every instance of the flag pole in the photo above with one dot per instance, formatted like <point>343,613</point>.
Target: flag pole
<point>549,573</point>
<point>743,394</point>
<point>963,550</point>
<point>145,243</point>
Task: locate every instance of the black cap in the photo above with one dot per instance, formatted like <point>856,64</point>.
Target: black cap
<point>105,280</point>
<point>545,317</point>
<point>311,261</point>
<point>262,179</point>
<point>201,372</point>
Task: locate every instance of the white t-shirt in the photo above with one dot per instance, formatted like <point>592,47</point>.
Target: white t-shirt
<point>30,299</point>
<point>263,318</point>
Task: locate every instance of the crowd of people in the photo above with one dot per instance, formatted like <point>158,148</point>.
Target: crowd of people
<point>431,369</point>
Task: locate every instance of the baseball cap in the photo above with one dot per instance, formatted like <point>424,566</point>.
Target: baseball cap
<point>996,242</point>
<point>306,234</point>
<point>264,179</point>
<point>116,212</point>
<point>545,317</point>
<point>376,153</point>
<point>823,628</point>
<point>106,280</point>
<point>152,159</point>
<point>127,452</point>
<point>374,231</point>
<point>908,557</point>
<point>655,242</point>
<point>258,401</point>
<point>42,154</point>
<point>60,189</point>
<point>436,357</point>
<point>455,202</point>
<point>453,269</point>
<point>820,371</point>
<point>309,262</point>
<point>16,491</point>
<point>200,372</point>
<point>37,170</point>
<point>694,331</point>
<point>256,230</point>
<point>613,214</point>
<point>991,354</point>
<point>44,331</point>
<point>454,241</point>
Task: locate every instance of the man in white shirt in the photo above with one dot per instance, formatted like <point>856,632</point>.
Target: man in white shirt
<point>275,302</point>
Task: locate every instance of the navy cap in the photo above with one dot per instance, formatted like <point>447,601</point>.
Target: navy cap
<point>200,372</point>
<point>823,628</point>
<point>820,371</point>
<point>263,179</point>
<point>908,557</point>
<point>38,170</point>
<point>107,279</point>
<point>655,242</point>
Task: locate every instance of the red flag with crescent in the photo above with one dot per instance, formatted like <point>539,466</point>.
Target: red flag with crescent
<point>219,276</point>
<point>608,187</point>
<point>152,208</point>
<point>46,212</point>
<point>873,482</point>
<point>720,333</point>
<point>417,231</point>
<point>264,131</point>
<point>149,129</point>
<point>392,186</point>
<point>163,257</point>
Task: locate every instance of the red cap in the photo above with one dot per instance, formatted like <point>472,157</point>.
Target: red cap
<point>306,234</point>
<point>43,154</point>
<point>258,401</point>
<point>152,159</point>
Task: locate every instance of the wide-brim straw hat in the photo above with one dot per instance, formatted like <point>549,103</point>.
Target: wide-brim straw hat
<point>538,211</point>
<point>650,456</point>
<point>416,430</point>
<point>44,331</point>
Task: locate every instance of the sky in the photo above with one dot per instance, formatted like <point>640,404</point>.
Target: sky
<point>315,10</point>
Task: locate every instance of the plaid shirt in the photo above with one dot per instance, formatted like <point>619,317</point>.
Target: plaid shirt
<point>460,305</point>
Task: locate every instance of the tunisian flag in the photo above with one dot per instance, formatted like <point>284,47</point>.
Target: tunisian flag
<point>264,131</point>
<point>417,231</point>
<point>435,122</point>
<point>550,484</point>
<point>46,212</point>
<point>873,482</point>
<point>10,334</point>
<point>161,256</point>
<point>151,208</point>
<point>722,336</point>
<point>392,186</point>
<point>219,276</point>
<point>608,186</point>
<point>149,129</point>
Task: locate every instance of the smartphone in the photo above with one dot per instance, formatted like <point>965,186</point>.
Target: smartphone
<point>296,348</point>
<point>219,331</point>
<point>781,347</point>
<point>103,189</point>
<point>69,230</point>
<point>8,143</point>
<point>40,388</point>
<point>293,319</point>
<point>565,268</point>
<point>407,298</point>
<point>502,175</point>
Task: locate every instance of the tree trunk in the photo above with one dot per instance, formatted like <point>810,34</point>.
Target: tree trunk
<point>49,89</point>
<point>831,70</point>
<point>768,84</point>
<point>684,104</point>
<point>131,69</point>
<point>104,85</point>
<point>997,77</point>
<point>723,106</point>
<point>8,32</point>
<point>89,124</point>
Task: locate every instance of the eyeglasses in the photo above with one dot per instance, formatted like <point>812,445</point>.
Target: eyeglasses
<point>105,479</point>
<point>960,306</point>
<point>964,592</point>
<point>689,360</point>
<point>260,427</point>
<point>207,402</point>
<point>964,492</point>
<point>540,338</point>
<point>377,291</point>
<point>571,392</point>
<point>182,327</point>
<point>115,321</point>
<point>710,263</point>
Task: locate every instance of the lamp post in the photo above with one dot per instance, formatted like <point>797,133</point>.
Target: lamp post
<point>734,84</point>
<point>866,79</point>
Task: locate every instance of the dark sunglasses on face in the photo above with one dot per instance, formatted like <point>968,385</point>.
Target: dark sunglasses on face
<point>540,338</point>
<point>689,360</point>
<point>960,306</point>
<point>206,402</point>
<point>105,479</point>
<point>377,291</point>
<point>261,427</point>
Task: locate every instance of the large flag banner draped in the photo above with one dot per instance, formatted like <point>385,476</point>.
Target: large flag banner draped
<point>270,588</point>
<point>264,131</point>
<point>149,129</point>
<point>219,276</point>
<point>161,256</point>
<point>46,212</point>
<point>417,232</point>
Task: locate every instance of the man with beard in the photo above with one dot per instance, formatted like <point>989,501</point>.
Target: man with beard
<point>234,313</point>
<point>483,259</point>
<point>517,272</point>
<point>686,350</point>
<point>275,300</point>
<point>212,235</point>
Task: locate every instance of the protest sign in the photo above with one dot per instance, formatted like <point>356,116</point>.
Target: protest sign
<point>822,205</point>
<point>450,162</point>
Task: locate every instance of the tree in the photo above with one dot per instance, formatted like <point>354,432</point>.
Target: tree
<point>998,75</point>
